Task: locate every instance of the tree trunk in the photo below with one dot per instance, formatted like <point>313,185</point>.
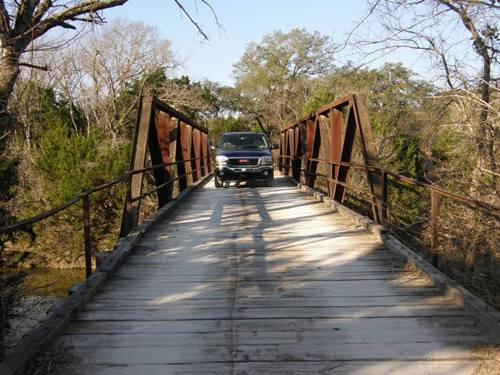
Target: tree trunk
<point>9,71</point>
<point>485,139</point>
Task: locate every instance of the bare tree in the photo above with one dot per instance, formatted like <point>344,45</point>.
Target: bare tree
<point>93,73</point>
<point>461,39</point>
<point>24,21</point>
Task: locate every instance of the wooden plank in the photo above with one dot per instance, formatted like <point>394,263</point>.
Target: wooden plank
<point>257,281</point>
<point>289,368</point>
<point>366,301</point>
<point>385,325</point>
<point>224,338</point>
<point>357,351</point>
<point>358,368</point>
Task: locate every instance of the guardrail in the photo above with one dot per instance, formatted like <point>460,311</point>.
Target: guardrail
<point>159,128</point>
<point>318,151</point>
<point>84,198</point>
<point>436,193</point>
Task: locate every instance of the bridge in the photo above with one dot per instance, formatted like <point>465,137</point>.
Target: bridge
<point>265,280</point>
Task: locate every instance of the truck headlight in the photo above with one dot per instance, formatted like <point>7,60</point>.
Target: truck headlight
<point>221,160</point>
<point>266,160</point>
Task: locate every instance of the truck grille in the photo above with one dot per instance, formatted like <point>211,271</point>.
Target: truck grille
<point>243,162</point>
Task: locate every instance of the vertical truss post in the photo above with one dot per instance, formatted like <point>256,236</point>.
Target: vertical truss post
<point>179,157</point>
<point>195,154</point>
<point>203,161</point>
<point>282,150</point>
<point>369,148</point>
<point>314,144</point>
<point>345,156</point>
<point>163,132</point>
<point>159,150</point>
<point>296,160</point>
<point>183,153</point>
<point>335,147</point>
<point>206,152</point>
<point>288,153</point>
<point>130,216</point>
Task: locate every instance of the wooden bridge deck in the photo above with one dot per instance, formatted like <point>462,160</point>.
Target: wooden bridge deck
<point>268,281</point>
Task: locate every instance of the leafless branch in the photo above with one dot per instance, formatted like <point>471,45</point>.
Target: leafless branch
<point>198,27</point>
<point>34,66</point>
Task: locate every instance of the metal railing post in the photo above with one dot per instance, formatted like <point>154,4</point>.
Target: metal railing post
<point>87,238</point>
<point>384,202</point>
<point>434,226</point>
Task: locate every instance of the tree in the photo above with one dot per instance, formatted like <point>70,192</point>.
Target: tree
<point>461,39</point>
<point>23,22</point>
<point>273,75</point>
<point>95,71</point>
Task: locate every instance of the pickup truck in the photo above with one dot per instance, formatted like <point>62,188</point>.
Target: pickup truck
<point>243,156</point>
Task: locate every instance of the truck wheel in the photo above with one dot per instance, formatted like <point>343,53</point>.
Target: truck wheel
<point>218,182</point>
<point>226,184</point>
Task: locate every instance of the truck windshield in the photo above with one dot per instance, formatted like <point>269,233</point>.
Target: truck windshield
<point>243,141</point>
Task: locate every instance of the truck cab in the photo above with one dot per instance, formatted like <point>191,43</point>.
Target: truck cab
<point>243,156</point>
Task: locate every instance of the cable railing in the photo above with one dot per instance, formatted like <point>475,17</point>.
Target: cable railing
<point>84,199</point>
<point>454,231</point>
<point>436,194</point>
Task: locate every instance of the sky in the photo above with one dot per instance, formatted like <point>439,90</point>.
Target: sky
<point>243,22</point>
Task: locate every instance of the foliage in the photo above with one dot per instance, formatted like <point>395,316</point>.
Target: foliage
<point>274,75</point>
<point>220,125</point>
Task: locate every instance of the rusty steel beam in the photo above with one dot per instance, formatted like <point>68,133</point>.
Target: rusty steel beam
<point>345,156</point>
<point>316,144</point>
<point>162,129</point>
<point>205,151</point>
<point>183,153</point>
<point>130,217</point>
<point>296,162</point>
<point>162,106</point>
<point>341,147</point>
<point>337,104</point>
<point>288,152</point>
<point>159,150</point>
<point>294,147</point>
<point>281,159</point>
<point>196,154</point>
<point>369,150</point>
<point>336,121</point>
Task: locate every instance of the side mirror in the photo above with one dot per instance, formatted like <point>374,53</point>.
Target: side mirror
<point>275,146</point>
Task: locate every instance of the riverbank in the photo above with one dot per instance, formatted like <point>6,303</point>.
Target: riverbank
<point>40,291</point>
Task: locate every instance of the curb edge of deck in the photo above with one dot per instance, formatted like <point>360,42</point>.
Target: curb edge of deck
<point>479,309</point>
<point>45,333</point>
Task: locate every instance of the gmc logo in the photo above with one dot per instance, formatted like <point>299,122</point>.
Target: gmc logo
<point>242,161</point>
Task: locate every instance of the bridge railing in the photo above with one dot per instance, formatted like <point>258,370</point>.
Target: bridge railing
<point>84,200</point>
<point>161,129</point>
<point>459,234</point>
<point>435,193</point>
